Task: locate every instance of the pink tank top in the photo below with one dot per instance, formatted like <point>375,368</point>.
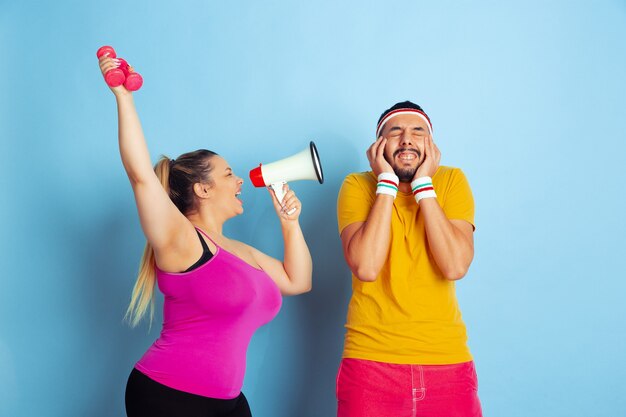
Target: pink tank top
<point>209,316</point>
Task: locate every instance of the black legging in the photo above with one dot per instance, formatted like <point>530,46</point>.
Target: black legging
<point>147,398</point>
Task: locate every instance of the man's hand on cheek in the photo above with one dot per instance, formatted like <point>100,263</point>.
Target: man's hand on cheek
<point>376,157</point>
<point>430,160</point>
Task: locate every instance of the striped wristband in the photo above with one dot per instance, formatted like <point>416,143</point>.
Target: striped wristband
<point>387,184</point>
<point>423,188</point>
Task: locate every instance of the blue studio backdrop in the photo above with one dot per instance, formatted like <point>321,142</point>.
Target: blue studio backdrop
<point>526,97</point>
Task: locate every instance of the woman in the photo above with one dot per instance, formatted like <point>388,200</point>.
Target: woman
<point>217,291</point>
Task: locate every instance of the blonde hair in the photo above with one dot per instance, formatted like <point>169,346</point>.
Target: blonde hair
<point>177,178</point>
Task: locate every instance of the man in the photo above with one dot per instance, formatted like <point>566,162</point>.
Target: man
<point>407,234</point>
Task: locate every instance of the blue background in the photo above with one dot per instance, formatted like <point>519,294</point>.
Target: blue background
<point>528,98</point>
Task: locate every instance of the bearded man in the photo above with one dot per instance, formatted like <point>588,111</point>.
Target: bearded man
<point>406,229</point>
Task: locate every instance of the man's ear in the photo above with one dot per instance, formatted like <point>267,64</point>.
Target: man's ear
<point>202,190</point>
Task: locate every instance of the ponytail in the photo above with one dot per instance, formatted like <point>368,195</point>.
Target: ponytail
<point>143,291</point>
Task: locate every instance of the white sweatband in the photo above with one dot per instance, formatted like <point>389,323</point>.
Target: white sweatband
<point>423,188</point>
<point>399,112</point>
<point>387,184</point>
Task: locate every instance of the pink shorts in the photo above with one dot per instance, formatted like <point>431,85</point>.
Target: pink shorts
<point>376,389</point>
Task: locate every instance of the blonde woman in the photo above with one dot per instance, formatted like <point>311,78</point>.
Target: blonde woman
<point>217,291</point>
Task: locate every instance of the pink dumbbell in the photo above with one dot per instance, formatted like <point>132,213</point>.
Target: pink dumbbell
<point>124,74</point>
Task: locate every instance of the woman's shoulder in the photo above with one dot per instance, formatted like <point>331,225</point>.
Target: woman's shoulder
<point>240,247</point>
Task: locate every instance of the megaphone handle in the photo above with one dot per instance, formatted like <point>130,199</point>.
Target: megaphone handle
<point>277,187</point>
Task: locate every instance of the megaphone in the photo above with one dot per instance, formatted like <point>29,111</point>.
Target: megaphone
<point>304,165</point>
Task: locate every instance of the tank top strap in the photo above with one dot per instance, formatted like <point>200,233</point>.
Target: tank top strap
<point>207,236</point>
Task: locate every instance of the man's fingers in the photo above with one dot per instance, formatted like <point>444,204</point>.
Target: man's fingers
<point>381,148</point>
<point>370,151</point>
<point>373,149</point>
<point>436,150</point>
<point>377,149</point>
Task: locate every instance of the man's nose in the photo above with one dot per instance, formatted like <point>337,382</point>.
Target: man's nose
<point>405,140</point>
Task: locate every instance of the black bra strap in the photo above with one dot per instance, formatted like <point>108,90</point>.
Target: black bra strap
<point>205,247</point>
<point>206,254</point>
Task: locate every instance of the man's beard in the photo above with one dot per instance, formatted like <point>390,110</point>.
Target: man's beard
<point>405,174</point>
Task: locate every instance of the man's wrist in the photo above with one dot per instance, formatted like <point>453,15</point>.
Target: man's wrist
<point>422,187</point>
<point>387,184</point>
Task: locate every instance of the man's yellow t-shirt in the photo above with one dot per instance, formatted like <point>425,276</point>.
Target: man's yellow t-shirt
<point>410,314</point>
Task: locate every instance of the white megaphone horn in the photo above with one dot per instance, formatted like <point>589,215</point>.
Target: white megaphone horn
<point>304,165</point>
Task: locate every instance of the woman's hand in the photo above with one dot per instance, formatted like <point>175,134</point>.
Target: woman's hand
<point>107,64</point>
<point>289,209</point>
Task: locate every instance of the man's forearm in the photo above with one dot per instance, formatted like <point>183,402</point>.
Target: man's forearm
<point>452,250</point>
<point>367,250</point>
